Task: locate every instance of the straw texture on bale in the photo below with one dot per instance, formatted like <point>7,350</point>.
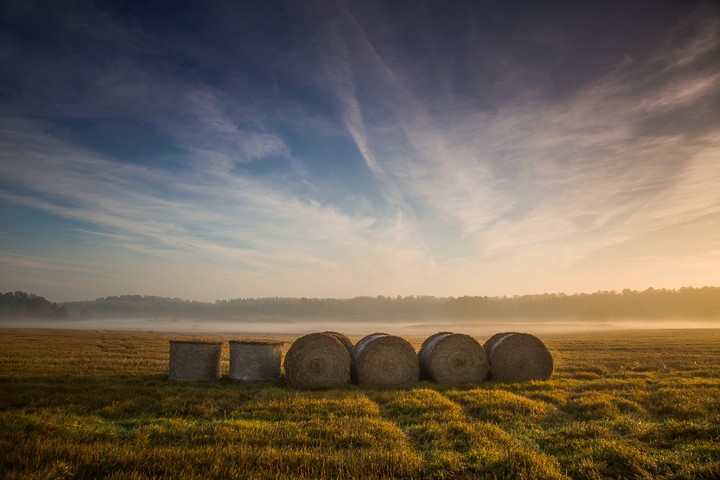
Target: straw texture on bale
<point>347,343</point>
<point>454,358</point>
<point>490,342</point>
<point>317,360</point>
<point>424,375</point>
<point>359,346</point>
<point>518,357</point>
<point>385,360</point>
<point>255,360</point>
<point>194,360</point>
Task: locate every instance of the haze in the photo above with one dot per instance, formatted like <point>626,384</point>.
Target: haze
<point>297,327</point>
<point>336,149</point>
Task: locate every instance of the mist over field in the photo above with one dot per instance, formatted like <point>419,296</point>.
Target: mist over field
<point>355,328</point>
<point>302,326</point>
<point>416,315</point>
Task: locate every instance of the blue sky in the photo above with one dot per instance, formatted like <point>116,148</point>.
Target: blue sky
<point>210,150</point>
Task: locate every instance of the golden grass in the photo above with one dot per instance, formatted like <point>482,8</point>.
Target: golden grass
<point>96,404</point>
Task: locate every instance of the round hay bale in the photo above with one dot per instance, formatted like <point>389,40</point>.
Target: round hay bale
<point>317,360</point>
<point>255,360</point>
<point>194,360</point>
<point>454,358</point>
<point>519,357</point>
<point>424,375</point>
<point>385,360</point>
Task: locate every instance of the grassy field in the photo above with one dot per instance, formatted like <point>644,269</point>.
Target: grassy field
<point>95,404</point>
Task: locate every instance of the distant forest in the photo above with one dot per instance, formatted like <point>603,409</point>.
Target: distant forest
<point>29,305</point>
<point>651,304</point>
<point>684,303</point>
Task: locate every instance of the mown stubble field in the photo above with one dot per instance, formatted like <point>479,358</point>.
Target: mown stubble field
<point>96,404</point>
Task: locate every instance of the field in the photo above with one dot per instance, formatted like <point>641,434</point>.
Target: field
<point>96,404</point>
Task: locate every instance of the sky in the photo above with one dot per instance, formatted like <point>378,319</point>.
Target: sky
<point>216,150</point>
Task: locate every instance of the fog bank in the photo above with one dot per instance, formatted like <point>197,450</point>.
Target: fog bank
<point>303,326</point>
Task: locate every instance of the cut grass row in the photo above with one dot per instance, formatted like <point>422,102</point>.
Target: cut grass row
<point>620,405</point>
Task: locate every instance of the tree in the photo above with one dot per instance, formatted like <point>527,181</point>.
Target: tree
<point>29,305</point>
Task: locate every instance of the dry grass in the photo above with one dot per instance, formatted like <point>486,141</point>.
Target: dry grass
<point>619,405</point>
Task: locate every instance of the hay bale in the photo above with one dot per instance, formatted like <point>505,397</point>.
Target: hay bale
<point>194,360</point>
<point>454,358</point>
<point>424,375</point>
<point>518,357</point>
<point>317,360</point>
<point>255,360</point>
<point>385,360</point>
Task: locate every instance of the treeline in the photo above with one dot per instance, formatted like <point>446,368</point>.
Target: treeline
<point>359,308</point>
<point>29,305</point>
<point>137,306</point>
<point>684,303</point>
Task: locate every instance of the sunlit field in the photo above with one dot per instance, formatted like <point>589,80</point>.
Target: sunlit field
<point>621,404</point>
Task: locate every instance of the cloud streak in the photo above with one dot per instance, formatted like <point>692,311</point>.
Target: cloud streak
<point>539,174</point>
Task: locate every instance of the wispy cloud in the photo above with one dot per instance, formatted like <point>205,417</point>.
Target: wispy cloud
<point>230,223</point>
<point>538,174</point>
